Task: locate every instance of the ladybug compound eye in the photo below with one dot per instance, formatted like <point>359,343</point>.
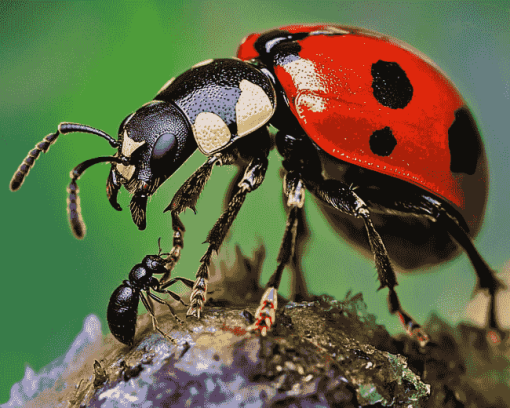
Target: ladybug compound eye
<point>164,149</point>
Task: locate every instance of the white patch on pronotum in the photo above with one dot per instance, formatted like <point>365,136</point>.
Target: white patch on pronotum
<point>211,132</point>
<point>253,109</point>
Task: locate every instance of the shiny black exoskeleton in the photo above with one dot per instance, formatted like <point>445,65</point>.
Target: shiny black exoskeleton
<point>123,307</point>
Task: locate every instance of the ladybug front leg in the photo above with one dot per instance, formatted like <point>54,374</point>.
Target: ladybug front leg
<point>186,197</point>
<point>252,179</point>
<point>265,314</point>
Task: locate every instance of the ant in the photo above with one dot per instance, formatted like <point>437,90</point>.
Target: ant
<point>123,307</point>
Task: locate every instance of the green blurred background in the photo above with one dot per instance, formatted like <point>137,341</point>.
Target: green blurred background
<point>94,63</point>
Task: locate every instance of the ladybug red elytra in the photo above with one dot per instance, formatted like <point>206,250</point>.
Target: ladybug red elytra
<point>372,101</point>
<point>341,98</point>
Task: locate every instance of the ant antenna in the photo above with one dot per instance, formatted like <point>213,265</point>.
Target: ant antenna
<point>159,245</point>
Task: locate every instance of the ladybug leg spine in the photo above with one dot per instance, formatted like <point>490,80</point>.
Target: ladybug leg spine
<point>252,179</point>
<point>150,308</point>
<point>265,315</point>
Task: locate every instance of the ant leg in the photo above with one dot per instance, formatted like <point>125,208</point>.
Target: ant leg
<point>162,288</point>
<point>252,179</point>
<point>161,301</point>
<point>188,282</point>
<point>265,313</point>
<point>148,305</point>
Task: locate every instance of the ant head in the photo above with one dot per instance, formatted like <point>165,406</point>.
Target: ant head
<point>153,143</point>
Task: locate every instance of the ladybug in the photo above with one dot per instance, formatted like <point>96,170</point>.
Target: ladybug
<point>340,98</point>
<point>381,116</point>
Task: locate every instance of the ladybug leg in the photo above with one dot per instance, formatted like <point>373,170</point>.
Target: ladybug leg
<point>343,198</point>
<point>486,277</point>
<point>186,197</point>
<point>452,222</point>
<point>265,314</point>
<point>188,193</point>
<point>175,253</point>
<point>252,179</point>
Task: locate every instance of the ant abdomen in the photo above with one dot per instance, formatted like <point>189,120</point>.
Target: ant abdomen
<point>122,312</point>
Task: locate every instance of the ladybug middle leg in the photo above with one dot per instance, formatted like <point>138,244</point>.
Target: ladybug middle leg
<point>255,150</point>
<point>294,190</point>
<point>304,167</point>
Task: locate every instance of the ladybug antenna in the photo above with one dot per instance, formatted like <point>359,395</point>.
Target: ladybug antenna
<point>73,200</point>
<point>19,176</point>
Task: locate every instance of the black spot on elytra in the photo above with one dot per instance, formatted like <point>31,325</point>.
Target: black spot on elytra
<point>391,86</point>
<point>464,143</point>
<point>382,142</point>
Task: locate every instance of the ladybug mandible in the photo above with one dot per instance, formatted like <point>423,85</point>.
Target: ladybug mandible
<point>339,94</point>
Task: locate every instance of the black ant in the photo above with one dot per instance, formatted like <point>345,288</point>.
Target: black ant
<point>123,307</point>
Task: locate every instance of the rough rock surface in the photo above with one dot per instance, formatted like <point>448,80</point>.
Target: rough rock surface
<point>323,352</point>
<point>304,362</point>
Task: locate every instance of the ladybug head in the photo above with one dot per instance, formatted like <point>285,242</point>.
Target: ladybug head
<point>153,143</point>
